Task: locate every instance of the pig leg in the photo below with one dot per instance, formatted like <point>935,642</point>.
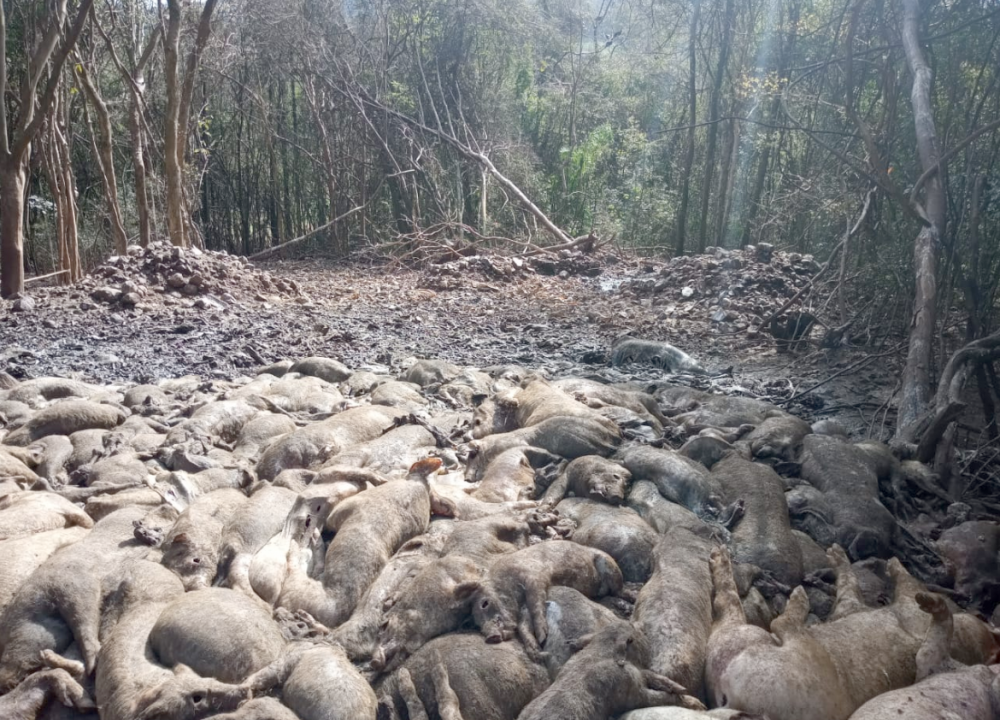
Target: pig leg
<point>447,700</point>
<point>726,603</point>
<point>28,699</point>
<point>526,635</point>
<point>906,586</point>
<point>535,595</point>
<point>556,491</point>
<point>659,690</point>
<point>934,655</point>
<point>793,620</point>
<point>79,603</point>
<point>275,674</point>
<point>55,661</point>
<point>414,705</point>
<point>848,599</point>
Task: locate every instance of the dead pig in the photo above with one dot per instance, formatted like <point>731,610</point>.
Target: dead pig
<point>591,477</point>
<point>490,682</point>
<point>857,520</point>
<point>607,677</point>
<point>192,547</point>
<point>40,691</point>
<point>747,668</point>
<point>512,598</point>
<point>21,557</point>
<point>618,531</point>
<point>678,479</point>
<point>218,633</point>
<point>941,681</point>
<point>764,535</point>
<point>571,616</point>
<point>61,601</point>
<point>26,513</point>
<point>65,418</point>
<point>311,446</point>
<point>658,512</point>
<point>252,524</point>
<point>674,608</point>
<point>437,599</point>
<point>596,395</point>
<point>370,528</point>
<point>318,682</point>
<point>130,684</point>
<point>568,437</point>
<point>658,354</point>
<point>971,551</point>
<point>359,635</point>
<point>510,476</point>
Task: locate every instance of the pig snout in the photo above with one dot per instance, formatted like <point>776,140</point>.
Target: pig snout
<point>497,632</point>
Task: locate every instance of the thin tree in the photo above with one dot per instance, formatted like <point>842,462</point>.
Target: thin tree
<point>682,211</point>
<point>713,119</point>
<point>916,381</point>
<point>104,154</point>
<point>135,81</point>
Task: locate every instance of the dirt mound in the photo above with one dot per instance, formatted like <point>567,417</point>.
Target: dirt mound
<point>143,273</point>
<point>737,287</point>
<point>448,274</point>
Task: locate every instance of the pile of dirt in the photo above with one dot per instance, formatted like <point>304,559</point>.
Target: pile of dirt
<point>566,263</point>
<point>142,274</point>
<point>734,287</point>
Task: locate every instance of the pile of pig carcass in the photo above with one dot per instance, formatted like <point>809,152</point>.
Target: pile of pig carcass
<point>322,544</point>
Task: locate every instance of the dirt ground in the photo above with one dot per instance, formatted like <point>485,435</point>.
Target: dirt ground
<point>472,312</point>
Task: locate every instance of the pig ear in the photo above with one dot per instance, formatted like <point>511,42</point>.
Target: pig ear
<point>465,591</point>
<point>445,507</point>
<point>413,544</point>
<point>581,642</point>
<point>181,670</point>
<point>181,539</point>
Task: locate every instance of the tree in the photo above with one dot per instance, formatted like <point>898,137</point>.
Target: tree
<point>916,381</point>
<point>45,63</point>
<point>682,211</point>
<point>180,91</point>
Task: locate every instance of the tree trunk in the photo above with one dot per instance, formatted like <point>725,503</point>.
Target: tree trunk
<point>682,211</point>
<point>105,159</point>
<point>173,165</point>
<point>139,170</point>
<point>916,381</point>
<point>12,182</point>
<point>713,128</point>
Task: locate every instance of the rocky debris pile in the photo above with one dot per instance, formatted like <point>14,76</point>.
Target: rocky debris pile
<point>162,269</point>
<point>322,543</point>
<point>735,287</point>
<point>564,263</point>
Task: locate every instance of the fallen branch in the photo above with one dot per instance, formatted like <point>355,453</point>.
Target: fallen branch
<point>44,277</point>
<point>278,248</point>
<point>470,154</point>
<point>849,368</point>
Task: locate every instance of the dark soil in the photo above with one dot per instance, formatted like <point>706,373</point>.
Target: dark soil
<point>235,317</point>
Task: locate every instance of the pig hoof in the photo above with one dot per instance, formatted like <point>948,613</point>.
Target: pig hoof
<point>692,703</point>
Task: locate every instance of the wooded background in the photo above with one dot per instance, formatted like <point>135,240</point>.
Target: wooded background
<point>861,127</point>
